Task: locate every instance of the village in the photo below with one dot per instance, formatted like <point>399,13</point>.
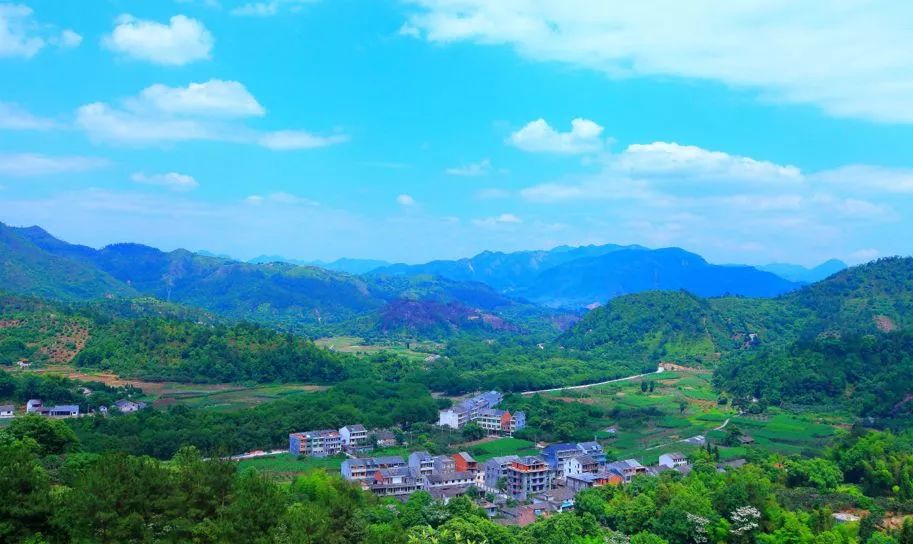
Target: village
<point>512,489</point>
<point>38,408</point>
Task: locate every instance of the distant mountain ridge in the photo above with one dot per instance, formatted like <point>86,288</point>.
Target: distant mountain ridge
<point>301,298</point>
<point>797,273</point>
<point>588,276</point>
<point>347,265</point>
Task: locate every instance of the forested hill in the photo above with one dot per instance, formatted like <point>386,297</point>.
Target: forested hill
<point>868,299</point>
<point>148,339</point>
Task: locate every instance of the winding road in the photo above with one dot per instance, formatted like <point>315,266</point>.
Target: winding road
<point>659,370</point>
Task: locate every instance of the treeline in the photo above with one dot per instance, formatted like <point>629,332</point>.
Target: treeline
<point>52,492</point>
<point>161,433</point>
<point>868,374</point>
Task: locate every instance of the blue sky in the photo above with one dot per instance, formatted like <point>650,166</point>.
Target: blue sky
<point>410,130</point>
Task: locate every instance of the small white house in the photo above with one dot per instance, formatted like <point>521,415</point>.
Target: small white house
<point>127,406</point>
<point>673,460</point>
<point>33,406</point>
<point>7,411</point>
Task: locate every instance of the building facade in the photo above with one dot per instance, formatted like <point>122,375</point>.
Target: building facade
<point>320,443</point>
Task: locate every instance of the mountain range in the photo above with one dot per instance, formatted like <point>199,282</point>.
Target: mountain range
<point>525,290</point>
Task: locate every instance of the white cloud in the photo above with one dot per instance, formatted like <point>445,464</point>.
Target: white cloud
<point>105,123</point>
<point>672,159</point>
<point>539,137</point>
<point>843,57</point>
<point>181,41</point>
<point>170,180</point>
<point>286,140</point>
<point>67,39</point>
<point>405,200</point>
<point>13,117</point>
<point>280,198</point>
<point>866,178</point>
<point>199,111</point>
<point>503,219</point>
<point>215,98</point>
<point>34,164</point>
<point>21,36</point>
<point>475,169</point>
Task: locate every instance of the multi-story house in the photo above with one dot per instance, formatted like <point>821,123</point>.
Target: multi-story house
<point>580,464</point>
<point>556,455</point>
<point>627,469</point>
<point>594,450</point>
<point>449,479</point>
<point>320,443</point>
<point>501,422</point>
<point>421,463</point>
<point>528,476</point>
<point>468,410</point>
<point>444,463</point>
<point>354,438</point>
<point>673,460</point>
<point>393,482</point>
<point>495,469</point>
<point>463,462</point>
<point>361,469</point>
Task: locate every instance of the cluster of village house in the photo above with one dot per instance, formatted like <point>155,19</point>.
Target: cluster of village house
<point>524,487</point>
<point>37,407</point>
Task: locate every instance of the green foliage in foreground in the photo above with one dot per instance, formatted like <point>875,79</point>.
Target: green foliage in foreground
<point>119,498</point>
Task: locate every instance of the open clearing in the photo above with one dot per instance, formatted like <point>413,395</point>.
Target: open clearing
<point>215,396</point>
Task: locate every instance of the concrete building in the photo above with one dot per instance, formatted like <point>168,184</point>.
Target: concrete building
<point>421,463</point>
<point>444,463</point>
<point>7,411</point>
<point>127,406</point>
<point>354,438</point>
<point>468,410</point>
<point>556,455</point>
<point>580,465</point>
<point>463,462</point>
<point>673,460</point>
<point>393,482</point>
<point>449,479</point>
<point>496,468</point>
<point>320,443</point>
<point>361,469</point>
<point>528,476</point>
<point>500,422</point>
<point>627,469</point>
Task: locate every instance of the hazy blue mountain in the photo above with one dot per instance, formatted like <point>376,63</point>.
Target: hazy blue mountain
<point>798,273</point>
<point>507,272</point>
<point>595,280</point>
<point>305,298</point>
<point>349,266</point>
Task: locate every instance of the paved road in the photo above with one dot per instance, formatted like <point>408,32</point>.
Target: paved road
<point>658,371</point>
<point>254,455</point>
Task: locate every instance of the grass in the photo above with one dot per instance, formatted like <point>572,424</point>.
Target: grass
<point>287,466</point>
<point>502,447</point>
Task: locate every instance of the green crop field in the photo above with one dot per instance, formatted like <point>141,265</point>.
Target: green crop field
<point>358,346</point>
<point>684,405</point>
<point>286,466</point>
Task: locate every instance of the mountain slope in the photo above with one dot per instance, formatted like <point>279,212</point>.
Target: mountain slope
<point>28,269</point>
<point>871,299</point>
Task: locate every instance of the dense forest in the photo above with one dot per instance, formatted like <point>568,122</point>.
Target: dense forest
<point>52,490</point>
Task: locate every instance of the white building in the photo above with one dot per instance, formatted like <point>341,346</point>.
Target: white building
<point>7,411</point>
<point>673,460</point>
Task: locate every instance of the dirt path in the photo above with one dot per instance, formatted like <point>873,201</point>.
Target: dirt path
<point>691,438</point>
<point>659,370</point>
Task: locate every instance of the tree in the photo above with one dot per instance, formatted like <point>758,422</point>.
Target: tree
<point>643,387</point>
<point>52,435</point>
<point>472,431</point>
<point>24,490</point>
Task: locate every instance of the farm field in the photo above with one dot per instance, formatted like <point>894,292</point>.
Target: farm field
<point>358,346</point>
<point>285,467</point>
<point>502,446</point>
<point>683,405</point>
